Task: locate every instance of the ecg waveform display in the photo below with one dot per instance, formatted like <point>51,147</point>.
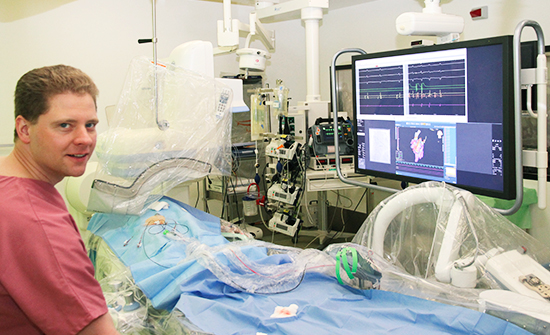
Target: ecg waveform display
<point>433,88</point>
<point>437,88</point>
<point>381,90</point>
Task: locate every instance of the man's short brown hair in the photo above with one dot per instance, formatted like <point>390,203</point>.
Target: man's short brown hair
<point>35,88</point>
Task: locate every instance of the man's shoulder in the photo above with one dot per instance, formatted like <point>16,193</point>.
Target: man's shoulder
<point>18,191</point>
<point>30,205</point>
<point>23,184</point>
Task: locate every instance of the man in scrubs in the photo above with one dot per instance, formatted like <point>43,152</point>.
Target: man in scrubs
<point>47,283</point>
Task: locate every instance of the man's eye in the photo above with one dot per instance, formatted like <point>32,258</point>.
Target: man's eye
<point>91,125</point>
<point>64,125</point>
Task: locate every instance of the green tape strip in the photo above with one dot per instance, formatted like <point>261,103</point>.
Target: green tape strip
<point>338,268</point>
<point>342,256</point>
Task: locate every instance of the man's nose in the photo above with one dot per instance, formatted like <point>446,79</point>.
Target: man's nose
<point>84,135</point>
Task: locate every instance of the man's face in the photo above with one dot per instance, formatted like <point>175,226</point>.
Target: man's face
<point>64,138</point>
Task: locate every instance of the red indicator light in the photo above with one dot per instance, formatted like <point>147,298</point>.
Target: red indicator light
<point>475,13</point>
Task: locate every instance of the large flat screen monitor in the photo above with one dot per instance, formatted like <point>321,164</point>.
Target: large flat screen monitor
<point>443,113</point>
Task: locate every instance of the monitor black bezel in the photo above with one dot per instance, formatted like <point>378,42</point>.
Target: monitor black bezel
<point>509,170</point>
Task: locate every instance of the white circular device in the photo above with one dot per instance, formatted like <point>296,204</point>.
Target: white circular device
<point>252,59</point>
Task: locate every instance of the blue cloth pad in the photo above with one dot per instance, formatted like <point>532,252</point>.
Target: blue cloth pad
<point>162,269</point>
<point>326,307</point>
<point>155,264</point>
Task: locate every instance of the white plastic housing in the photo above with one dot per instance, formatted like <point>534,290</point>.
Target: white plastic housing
<point>196,56</point>
<point>428,24</point>
<point>228,36</point>
<point>252,59</point>
<point>236,85</point>
<point>509,266</point>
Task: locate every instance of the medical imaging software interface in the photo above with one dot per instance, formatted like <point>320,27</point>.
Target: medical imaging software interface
<point>433,115</point>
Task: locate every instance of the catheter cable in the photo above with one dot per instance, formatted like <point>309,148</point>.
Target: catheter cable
<point>231,265</point>
<point>164,231</point>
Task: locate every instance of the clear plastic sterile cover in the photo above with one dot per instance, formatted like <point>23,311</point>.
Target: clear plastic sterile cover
<point>435,239</point>
<point>259,267</point>
<point>171,125</point>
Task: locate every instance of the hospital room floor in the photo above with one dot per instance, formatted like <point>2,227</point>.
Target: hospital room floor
<point>308,238</point>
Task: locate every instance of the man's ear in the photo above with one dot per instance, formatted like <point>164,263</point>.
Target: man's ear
<point>22,128</point>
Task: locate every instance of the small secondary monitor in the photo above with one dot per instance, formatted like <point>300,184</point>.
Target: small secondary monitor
<point>443,113</point>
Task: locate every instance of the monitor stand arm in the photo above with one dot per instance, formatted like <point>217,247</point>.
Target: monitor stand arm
<point>335,121</point>
<point>542,156</point>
